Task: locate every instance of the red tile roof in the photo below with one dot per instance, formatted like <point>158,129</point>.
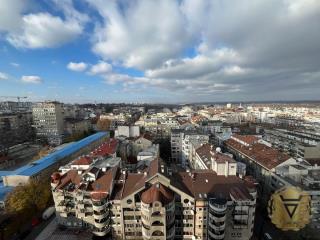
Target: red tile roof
<point>249,139</point>
<point>222,158</point>
<point>82,161</point>
<point>133,182</point>
<point>101,188</point>
<point>107,148</point>
<point>157,192</point>
<point>266,156</point>
<point>201,182</point>
<point>69,177</point>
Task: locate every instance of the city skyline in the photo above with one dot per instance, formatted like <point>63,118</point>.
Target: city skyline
<point>160,51</point>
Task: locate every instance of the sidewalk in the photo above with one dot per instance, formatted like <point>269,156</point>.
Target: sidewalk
<point>48,231</point>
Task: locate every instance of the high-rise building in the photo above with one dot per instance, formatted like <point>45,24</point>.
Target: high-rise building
<point>48,121</point>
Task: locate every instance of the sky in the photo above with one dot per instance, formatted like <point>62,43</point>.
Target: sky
<point>168,51</point>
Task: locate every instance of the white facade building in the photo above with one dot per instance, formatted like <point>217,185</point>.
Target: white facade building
<point>48,121</point>
<point>128,131</point>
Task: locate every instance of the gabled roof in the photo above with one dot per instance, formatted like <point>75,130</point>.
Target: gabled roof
<point>157,192</point>
<point>70,177</point>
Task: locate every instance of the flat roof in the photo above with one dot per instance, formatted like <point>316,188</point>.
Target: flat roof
<point>43,163</point>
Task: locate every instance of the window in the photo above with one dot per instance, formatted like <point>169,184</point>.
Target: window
<point>129,201</point>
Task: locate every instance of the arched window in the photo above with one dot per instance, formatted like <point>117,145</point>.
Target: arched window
<point>157,233</point>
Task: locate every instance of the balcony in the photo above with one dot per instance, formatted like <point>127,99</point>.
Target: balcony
<point>146,225</point>
<point>98,208</point>
<point>79,197</point>
<point>146,233</point>
<point>217,226</point>
<point>100,215</point>
<point>241,217</point>
<point>101,231</point>
<point>218,205</point>
<point>240,224</point>
<point>219,218</point>
<point>102,222</point>
<point>216,236</point>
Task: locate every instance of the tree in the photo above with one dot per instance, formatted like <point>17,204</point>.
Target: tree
<point>42,153</point>
<point>34,197</point>
<point>103,124</point>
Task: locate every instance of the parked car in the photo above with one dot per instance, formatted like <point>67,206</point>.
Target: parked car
<point>48,213</point>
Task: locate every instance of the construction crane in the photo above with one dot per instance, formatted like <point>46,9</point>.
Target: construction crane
<point>17,97</point>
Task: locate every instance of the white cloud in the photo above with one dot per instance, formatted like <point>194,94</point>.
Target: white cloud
<point>142,35</point>
<point>78,67</point>
<point>3,76</point>
<point>31,79</point>
<point>100,68</point>
<point>10,18</point>
<point>234,70</point>
<point>299,8</point>
<point>42,29</point>
<point>203,63</point>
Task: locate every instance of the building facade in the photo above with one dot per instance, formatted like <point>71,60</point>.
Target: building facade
<point>156,203</point>
<point>48,121</point>
<point>182,144</point>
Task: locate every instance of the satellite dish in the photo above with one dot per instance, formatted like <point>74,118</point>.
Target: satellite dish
<point>218,150</point>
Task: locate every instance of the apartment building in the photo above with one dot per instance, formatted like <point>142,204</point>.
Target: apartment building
<point>276,170</point>
<point>15,128</point>
<point>182,142</point>
<point>209,158</point>
<point>298,144</point>
<point>158,203</point>
<point>48,121</point>
<point>127,131</point>
<point>73,126</point>
<point>260,159</point>
<point>15,107</point>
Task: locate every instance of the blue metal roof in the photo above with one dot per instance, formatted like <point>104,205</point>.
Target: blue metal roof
<point>43,163</point>
<point>4,191</point>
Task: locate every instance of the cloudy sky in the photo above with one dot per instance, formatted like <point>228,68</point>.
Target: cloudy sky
<point>160,50</point>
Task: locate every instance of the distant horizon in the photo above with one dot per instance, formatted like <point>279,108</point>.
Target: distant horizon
<point>183,103</point>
